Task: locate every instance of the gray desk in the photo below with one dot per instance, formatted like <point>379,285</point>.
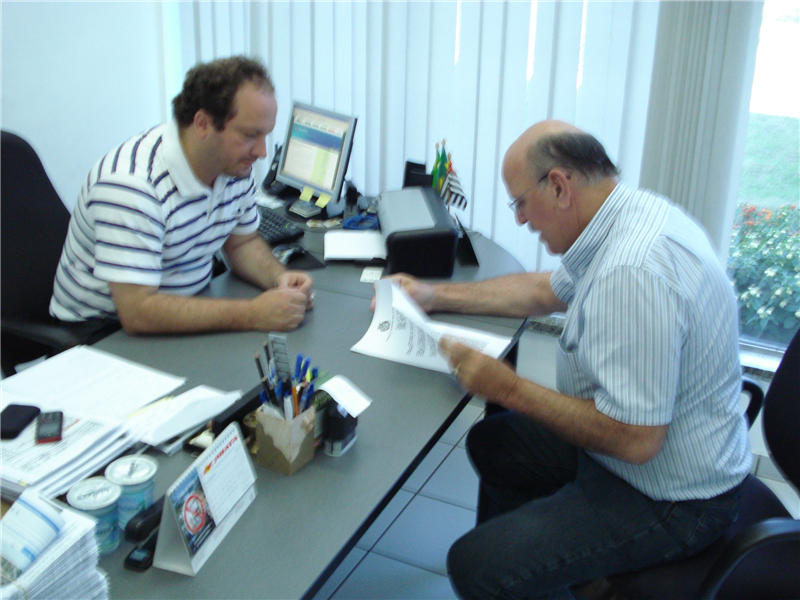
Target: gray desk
<point>299,527</point>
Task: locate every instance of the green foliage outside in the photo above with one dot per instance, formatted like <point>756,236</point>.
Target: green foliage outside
<point>765,250</point>
<point>765,266</point>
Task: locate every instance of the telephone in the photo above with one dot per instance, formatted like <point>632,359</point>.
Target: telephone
<point>271,185</point>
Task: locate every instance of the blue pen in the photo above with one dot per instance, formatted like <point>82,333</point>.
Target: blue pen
<point>298,363</point>
<point>308,395</point>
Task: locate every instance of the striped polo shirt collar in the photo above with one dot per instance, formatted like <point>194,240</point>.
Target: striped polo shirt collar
<point>577,259</point>
<point>179,169</point>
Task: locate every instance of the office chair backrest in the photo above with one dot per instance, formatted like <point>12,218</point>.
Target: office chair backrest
<point>781,413</point>
<point>33,228</point>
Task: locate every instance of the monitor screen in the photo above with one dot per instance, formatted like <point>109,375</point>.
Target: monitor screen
<point>316,150</point>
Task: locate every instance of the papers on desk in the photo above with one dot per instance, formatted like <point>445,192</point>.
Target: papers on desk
<point>345,244</point>
<point>108,405</point>
<point>401,332</point>
<point>66,568</point>
<point>84,379</point>
<point>87,444</point>
<point>167,418</point>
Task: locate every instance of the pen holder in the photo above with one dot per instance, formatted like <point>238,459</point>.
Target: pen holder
<point>284,446</point>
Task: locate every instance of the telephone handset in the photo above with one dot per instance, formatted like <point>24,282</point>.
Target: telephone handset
<point>270,184</point>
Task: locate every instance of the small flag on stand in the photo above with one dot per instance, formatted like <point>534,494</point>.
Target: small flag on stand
<point>445,180</point>
<point>435,169</point>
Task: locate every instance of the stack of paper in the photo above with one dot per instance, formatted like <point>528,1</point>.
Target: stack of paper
<point>95,391</point>
<point>87,445</point>
<point>67,568</point>
<point>109,405</point>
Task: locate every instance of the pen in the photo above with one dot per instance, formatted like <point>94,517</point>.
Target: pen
<point>298,363</point>
<point>296,399</point>
<point>287,403</point>
<point>270,362</point>
<point>304,369</point>
<point>308,394</point>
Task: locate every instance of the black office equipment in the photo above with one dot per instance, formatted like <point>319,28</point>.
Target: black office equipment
<point>758,556</point>
<point>141,558</point>
<point>277,229</point>
<point>32,231</point>
<point>15,418</point>
<point>143,523</point>
<point>273,168</point>
<point>416,175</point>
<point>419,232</point>
<point>237,411</point>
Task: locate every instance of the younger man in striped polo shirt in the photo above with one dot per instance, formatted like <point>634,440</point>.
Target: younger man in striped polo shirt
<point>639,456</point>
<point>155,209</point>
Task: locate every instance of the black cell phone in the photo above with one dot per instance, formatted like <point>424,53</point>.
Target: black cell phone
<point>48,427</point>
<point>141,557</point>
<point>15,418</point>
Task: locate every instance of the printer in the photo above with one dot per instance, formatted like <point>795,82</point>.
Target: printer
<point>420,235</point>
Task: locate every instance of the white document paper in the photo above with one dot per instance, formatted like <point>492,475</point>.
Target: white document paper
<point>169,417</point>
<point>401,332</point>
<point>26,460</point>
<point>344,244</point>
<point>87,380</point>
<point>346,394</point>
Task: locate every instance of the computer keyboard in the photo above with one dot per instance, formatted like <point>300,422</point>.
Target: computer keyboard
<point>277,229</point>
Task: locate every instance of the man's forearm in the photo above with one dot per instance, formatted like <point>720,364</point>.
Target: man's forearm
<point>518,295</point>
<point>580,423</point>
<point>251,259</point>
<point>167,313</point>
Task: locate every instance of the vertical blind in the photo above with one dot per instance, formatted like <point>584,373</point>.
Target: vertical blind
<point>473,73</point>
<point>698,115</point>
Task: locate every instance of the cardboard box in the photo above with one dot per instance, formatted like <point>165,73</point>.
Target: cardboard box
<point>284,446</point>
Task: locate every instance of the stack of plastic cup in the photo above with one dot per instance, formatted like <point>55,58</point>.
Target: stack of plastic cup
<point>98,497</point>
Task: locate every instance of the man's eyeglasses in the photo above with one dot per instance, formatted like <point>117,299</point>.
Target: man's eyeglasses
<point>518,203</point>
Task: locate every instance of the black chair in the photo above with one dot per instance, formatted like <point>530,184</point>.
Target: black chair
<point>33,229</point>
<point>759,557</point>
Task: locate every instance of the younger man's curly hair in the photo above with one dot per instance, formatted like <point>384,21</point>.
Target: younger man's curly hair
<point>212,87</point>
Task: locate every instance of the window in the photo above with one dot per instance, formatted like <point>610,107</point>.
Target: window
<point>764,258</point>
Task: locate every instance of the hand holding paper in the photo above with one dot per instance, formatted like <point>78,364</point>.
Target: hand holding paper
<point>480,374</point>
<point>400,331</point>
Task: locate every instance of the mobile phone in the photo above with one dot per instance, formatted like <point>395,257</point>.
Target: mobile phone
<point>15,418</point>
<point>141,557</point>
<point>48,427</point>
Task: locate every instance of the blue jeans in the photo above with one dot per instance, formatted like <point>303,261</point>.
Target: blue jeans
<point>554,518</point>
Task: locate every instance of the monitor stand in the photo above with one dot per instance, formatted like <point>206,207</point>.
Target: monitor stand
<point>282,191</point>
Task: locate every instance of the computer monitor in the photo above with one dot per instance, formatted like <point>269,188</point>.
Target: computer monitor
<point>316,150</point>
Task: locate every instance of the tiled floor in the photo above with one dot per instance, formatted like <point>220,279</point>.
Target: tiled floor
<point>403,554</point>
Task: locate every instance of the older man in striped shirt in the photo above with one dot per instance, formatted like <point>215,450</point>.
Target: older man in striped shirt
<point>639,456</point>
<point>154,211</point>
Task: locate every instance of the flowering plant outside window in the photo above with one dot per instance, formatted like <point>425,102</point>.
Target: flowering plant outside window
<point>765,266</point>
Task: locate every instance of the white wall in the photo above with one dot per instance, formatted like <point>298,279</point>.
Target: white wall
<point>79,78</point>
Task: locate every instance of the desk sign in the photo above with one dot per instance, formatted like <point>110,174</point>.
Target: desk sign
<point>205,502</point>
